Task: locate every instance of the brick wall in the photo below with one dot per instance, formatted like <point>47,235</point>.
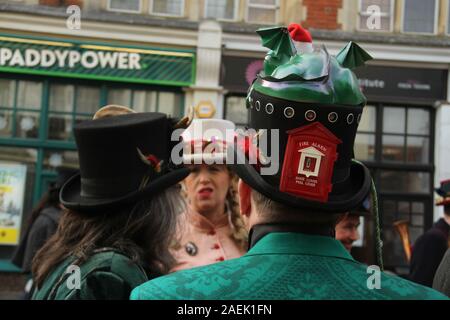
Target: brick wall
<point>322,14</point>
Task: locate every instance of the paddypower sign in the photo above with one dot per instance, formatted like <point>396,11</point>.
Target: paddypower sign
<point>70,59</point>
<point>96,61</point>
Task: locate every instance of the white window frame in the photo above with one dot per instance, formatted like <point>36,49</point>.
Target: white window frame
<point>150,10</point>
<point>235,13</point>
<point>436,17</point>
<point>122,10</point>
<point>383,15</point>
<point>263,6</point>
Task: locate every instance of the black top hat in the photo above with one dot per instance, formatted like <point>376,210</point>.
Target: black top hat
<point>314,100</point>
<point>363,209</point>
<point>122,160</point>
<point>63,174</point>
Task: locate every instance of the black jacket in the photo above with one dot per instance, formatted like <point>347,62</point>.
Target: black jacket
<point>442,278</point>
<point>427,253</point>
<point>36,235</point>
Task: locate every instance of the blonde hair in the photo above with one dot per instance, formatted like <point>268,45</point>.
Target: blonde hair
<point>239,232</point>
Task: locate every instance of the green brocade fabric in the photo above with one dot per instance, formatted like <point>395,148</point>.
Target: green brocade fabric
<point>106,275</point>
<point>283,266</point>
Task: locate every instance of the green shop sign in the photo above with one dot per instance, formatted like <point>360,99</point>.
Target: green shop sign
<point>89,60</point>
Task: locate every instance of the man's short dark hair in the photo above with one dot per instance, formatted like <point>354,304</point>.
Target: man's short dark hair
<point>271,211</point>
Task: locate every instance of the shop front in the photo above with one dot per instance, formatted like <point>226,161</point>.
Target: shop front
<point>47,85</point>
<point>237,74</point>
<point>396,141</point>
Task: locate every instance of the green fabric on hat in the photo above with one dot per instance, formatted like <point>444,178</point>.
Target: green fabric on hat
<point>310,77</point>
<point>304,81</point>
<point>352,56</point>
<point>282,49</point>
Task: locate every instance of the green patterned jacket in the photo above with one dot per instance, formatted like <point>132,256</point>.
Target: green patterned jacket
<point>284,266</point>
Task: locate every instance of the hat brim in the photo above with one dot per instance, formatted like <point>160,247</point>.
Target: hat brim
<point>360,213</point>
<point>71,198</point>
<point>359,187</point>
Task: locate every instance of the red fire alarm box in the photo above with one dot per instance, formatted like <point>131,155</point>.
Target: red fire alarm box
<point>309,161</point>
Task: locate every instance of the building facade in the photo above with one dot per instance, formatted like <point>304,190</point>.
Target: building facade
<point>167,56</point>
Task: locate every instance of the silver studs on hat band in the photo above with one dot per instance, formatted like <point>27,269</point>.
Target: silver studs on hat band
<point>350,118</point>
<point>310,115</point>
<point>289,112</point>
<point>333,117</point>
<point>269,108</point>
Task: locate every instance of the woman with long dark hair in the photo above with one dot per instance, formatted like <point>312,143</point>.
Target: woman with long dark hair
<point>121,211</point>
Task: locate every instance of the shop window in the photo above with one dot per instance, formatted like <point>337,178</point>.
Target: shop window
<point>221,9</point>
<point>7,98</point>
<point>145,101</point>
<point>420,16</point>
<point>132,6</point>
<point>236,111</point>
<point>404,181</point>
<point>262,11</point>
<point>20,104</point>
<point>386,15</point>
<point>170,103</point>
<point>119,96</point>
<point>413,213</point>
<point>60,158</point>
<point>406,135</point>
<point>167,7</point>
<point>69,104</point>
<point>364,146</point>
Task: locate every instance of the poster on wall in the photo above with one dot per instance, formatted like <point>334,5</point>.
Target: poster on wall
<point>12,192</point>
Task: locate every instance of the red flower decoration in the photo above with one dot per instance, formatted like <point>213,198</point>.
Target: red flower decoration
<point>154,161</point>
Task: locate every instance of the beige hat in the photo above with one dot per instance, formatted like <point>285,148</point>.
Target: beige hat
<point>112,110</point>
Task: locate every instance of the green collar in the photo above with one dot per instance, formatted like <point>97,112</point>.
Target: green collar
<point>300,244</point>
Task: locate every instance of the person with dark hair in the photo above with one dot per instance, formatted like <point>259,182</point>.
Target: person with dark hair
<point>211,230</point>
<point>347,227</point>
<point>429,248</point>
<point>309,103</point>
<point>42,224</point>
<point>121,212</point>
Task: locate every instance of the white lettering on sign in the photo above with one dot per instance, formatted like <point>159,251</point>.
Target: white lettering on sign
<point>69,58</point>
<point>369,83</point>
<point>415,86</point>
